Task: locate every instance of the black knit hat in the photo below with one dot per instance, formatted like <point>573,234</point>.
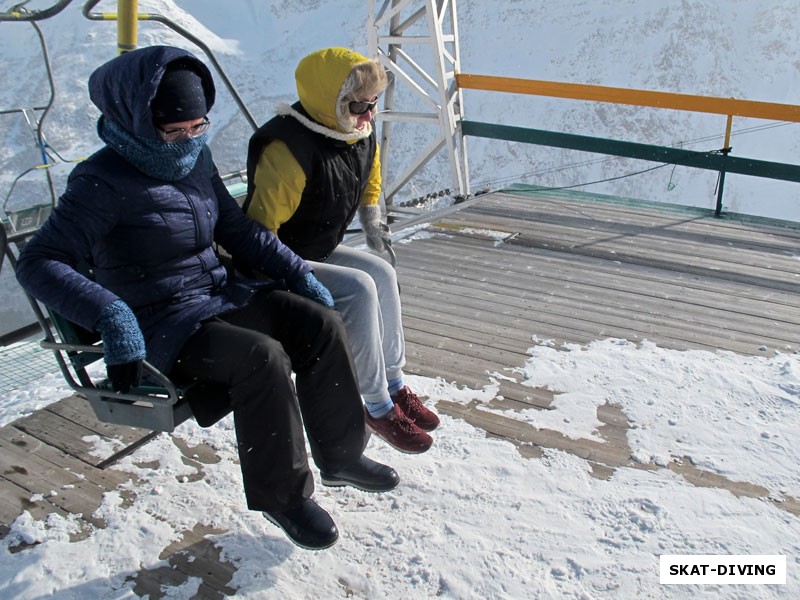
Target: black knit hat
<point>180,95</point>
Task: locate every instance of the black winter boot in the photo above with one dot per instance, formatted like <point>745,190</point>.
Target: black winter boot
<point>365,474</point>
<point>308,525</point>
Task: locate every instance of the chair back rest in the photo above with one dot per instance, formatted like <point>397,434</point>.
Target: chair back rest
<point>72,333</point>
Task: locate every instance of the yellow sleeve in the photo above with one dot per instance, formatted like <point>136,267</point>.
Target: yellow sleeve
<point>372,193</point>
<point>279,183</point>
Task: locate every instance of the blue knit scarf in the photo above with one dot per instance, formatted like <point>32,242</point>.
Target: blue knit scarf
<point>156,158</point>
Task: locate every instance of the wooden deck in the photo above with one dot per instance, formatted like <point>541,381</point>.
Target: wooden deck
<point>489,276</point>
<point>577,268</point>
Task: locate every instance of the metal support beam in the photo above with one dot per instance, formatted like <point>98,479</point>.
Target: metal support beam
<point>417,42</point>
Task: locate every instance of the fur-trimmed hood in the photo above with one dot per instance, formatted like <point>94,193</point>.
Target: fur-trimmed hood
<point>288,110</point>
<point>319,78</point>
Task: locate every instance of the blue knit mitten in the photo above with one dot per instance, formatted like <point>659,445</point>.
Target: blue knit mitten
<point>123,345</point>
<point>310,287</point>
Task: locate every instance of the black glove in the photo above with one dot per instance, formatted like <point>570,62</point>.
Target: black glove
<point>125,376</point>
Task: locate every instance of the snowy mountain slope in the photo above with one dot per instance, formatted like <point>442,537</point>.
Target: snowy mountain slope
<point>743,49</point>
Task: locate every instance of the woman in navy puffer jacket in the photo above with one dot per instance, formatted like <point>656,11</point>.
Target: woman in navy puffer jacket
<point>145,213</point>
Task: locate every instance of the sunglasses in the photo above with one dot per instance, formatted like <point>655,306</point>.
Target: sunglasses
<point>359,108</point>
<point>174,135</point>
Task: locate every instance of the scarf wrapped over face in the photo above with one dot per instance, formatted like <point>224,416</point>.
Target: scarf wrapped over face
<point>156,158</point>
<point>128,120</point>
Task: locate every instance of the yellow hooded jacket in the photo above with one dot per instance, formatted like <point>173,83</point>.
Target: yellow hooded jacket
<point>279,181</point>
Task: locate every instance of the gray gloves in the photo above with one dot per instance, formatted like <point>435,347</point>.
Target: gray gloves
<point>379,238</point>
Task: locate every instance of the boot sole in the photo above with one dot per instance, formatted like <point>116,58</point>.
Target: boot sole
<point>294,541</point>
<point>398,448</point>
<point>331,482</point>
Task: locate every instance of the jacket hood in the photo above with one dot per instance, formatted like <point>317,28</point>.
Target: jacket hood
<point>124,87</point>
<point>319,78</point>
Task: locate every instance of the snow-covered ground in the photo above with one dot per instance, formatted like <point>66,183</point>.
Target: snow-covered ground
<point>472,517</point>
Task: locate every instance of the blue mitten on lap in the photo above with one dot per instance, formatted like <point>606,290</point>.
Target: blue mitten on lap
<point>123,345</point>
<point>310,287</point>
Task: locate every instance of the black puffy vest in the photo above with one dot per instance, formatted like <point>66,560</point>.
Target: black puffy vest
<point>336,173</point>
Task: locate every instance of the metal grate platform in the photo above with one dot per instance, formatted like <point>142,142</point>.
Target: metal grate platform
<point>23,363</point>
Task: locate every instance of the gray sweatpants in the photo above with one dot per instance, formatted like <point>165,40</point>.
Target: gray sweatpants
<point>365,293</point>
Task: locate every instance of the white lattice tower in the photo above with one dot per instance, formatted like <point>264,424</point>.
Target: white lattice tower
<point>417,41</point>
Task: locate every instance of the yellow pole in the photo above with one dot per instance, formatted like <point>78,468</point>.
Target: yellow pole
<point>728,132</point>
<point>127,25</point>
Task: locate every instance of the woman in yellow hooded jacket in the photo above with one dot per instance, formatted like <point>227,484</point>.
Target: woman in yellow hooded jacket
<point>311,169</point>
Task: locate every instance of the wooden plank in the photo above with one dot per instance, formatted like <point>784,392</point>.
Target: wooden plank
<point>60,433</point>
<point>642,231</point>
<point>523,432</point>
<point>498,314</point>
<point>515,396</point>
<point>15,499</point>
<point>683,220</point>
<point>683,305</point>
<point>671,219</point>
<point>505,266</point>
<point>192,555</point>
<point>667,259</point>
<point>475,261</point>
<point>121,440</point>
<point>641,243</point>
<point>62,484</point>
<point>462,324</point>
<point>78,410</point>
<point>19,442</point>
<point>617,317</point>
<point>719,236</point>
<point>197,556</point>
<point>70,436</point>
<point>470,307</point>
<point>452,367</point>
<point>463,344</point>
<point>507,261</point>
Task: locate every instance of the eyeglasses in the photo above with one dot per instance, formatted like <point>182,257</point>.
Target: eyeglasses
<point>175,135</point>
<point>359,108</point>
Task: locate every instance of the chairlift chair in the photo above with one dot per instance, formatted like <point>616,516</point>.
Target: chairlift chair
<point>158,404</point>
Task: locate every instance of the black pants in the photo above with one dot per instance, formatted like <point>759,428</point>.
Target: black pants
<point>253,351</point>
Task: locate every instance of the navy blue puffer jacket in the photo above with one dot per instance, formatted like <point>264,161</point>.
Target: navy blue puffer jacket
<point>149,242</point>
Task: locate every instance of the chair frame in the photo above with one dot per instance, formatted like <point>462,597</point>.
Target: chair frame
<point>158,404</point>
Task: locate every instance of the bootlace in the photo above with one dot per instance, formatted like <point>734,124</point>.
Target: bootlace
<point>412,405</point>
<point>404,423</point>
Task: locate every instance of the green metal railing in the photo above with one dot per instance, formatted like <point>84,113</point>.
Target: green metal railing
<point>720,160</point>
